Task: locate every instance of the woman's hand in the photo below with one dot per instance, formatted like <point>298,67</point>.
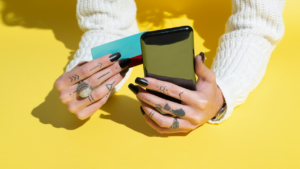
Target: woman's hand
<point>103,74</point>
<point>197,106</point>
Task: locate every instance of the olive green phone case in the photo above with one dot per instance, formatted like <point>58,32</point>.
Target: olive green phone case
<point>168,55</point>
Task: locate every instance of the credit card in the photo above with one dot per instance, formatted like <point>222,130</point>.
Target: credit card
<point>129,47</point>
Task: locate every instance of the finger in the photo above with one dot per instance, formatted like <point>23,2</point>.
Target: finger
<point>108,72</point>
<point>167,107</point>
<point>80,103</point>
<point>70,94</point>
<point>169,89</point>
<point>166,121</point>
<point>101,76</point>
<point>91,109</point>
<point>161,130</point>
<point>202,71</point>
<point>81,72</point>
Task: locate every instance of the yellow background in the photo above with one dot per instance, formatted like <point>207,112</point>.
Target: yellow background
<point>39,38</point>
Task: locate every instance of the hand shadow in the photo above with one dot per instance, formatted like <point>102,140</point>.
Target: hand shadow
<point>54,112</point>
<point>60,17</point>
<point>209,18</point>
<point>125,110</point>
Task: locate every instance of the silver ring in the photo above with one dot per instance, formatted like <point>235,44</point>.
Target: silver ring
<point>84,89</point>
<point>175,124</point>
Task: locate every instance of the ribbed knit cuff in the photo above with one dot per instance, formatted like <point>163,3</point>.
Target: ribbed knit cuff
<point>239,66</point>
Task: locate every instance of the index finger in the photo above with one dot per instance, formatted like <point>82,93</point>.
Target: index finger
<point>84,71</point>
<point>169,89</point>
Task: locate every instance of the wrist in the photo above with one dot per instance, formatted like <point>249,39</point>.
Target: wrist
<point>221,105</point>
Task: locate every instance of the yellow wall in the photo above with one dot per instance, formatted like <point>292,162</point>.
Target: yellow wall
<point>39,38</point>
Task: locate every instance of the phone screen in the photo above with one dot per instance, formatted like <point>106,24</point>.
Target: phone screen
<point>168,55</point>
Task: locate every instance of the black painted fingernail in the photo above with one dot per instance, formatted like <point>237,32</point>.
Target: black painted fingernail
<point>115,57</point>
<point>124,62</point>
<point>143,112</point>
<point>133,88</point>
<point>123,72</point>
<point>203,56</point>
<point>141,81</point>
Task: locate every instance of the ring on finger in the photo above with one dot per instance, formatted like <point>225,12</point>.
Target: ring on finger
<point>175,124</point>
<point>84,89</point>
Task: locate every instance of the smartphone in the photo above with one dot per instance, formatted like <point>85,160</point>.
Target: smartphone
<point>168,55</point>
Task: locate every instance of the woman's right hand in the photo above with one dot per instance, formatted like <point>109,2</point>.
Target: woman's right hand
<point>103,74</point>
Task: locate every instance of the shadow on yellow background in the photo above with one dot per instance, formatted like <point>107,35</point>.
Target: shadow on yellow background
<point>39,38</point>
<point>61,20</point>
<point>59,16</point>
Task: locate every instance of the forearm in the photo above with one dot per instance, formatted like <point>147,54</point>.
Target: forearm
<point>252,33</point>
<point>102,22</point>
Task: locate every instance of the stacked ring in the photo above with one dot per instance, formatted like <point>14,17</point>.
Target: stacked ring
<point>84,89</point>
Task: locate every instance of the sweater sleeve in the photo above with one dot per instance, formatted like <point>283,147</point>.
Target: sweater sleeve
<point>103,21</point>
<point>252,32</point>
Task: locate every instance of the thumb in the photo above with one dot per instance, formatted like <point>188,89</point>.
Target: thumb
<point>202,71</point>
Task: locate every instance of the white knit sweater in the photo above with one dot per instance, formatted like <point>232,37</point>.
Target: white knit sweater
<point>252,32</point>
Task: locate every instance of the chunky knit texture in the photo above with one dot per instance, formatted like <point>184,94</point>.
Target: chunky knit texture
<point>252,33</point>
<point>103,21</point>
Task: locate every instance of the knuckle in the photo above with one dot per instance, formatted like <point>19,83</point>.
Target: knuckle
<point>59,84</point>
<point>197,119</point>
<point>202,104</point>
<point>213,76</point>
<point>162,123</point>
<point>193,127</point>
<point>92,80</point>
<point>171,88</point>
<point>81,116</point>
<point>72,108</point>
<point>98,94</point>
<point>115,68</point>
<point>63,99</point>
<point>85,71</point>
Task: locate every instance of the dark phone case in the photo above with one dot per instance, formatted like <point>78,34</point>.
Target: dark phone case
<point>168,55</point>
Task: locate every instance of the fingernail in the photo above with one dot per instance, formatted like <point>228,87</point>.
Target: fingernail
<point>203,56</point>
<point>143,112</point>
<point>141,81</point>
<point>123,72</point>
<point>124,62</point>
<point>115,57</point>
<point>133,88</point>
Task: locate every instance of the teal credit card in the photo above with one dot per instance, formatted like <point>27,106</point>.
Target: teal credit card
<point>129,47</point>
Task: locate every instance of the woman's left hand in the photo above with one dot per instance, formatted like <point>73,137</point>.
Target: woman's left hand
<point>197,106</point>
